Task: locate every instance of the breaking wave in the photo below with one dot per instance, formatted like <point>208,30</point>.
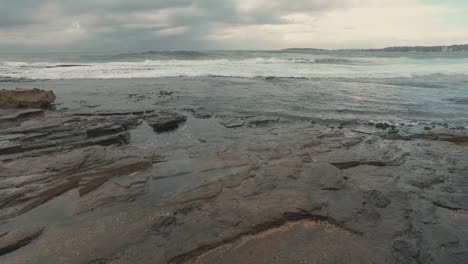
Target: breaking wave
<point>244,64</point>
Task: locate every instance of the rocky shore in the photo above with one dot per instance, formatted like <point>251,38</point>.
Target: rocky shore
<point>192,186</point>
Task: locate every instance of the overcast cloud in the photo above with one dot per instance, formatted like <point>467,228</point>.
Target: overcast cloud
<point>140,25</point>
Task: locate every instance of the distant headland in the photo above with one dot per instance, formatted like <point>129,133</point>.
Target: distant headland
<point>451,48</point>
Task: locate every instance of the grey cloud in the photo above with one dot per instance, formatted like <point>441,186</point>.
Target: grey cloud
<point>14,13</point>
<point>121,24</point>
<point>8,20</point>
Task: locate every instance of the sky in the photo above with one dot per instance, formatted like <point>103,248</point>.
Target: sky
<point>142,25</point>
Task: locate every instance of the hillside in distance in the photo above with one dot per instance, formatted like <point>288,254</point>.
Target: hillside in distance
<point>451,48</point>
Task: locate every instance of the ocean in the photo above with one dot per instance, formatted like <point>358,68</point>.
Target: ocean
<point>320,85</point>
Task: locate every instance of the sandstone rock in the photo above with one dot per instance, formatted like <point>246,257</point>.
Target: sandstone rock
<point>232,122</point>
<point>384,126</point>
<point>119,189</point>
<point>18,115</point>
<point>34,98</point>
<point>92,179</point>
<point>14,239</point>
<point>250,121</point>
<point>280,194</point>
<point>261,120</point>
<point>8,147</point>
<point>202,115</point>
<point>32,181</point>
<point>113,113</point>
<point>165,122</point>
<point>457,137</point>
<point>59,130</point>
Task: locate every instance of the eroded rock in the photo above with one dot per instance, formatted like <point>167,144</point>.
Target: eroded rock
<point>202,115</point>
<point>249,121</point>
<point>457,137</point>
<point>18,115</point>
<point>32,181</point>
<point>232,122</point>
<point>58,131</point>
<point>122,188</point>
<point>279,193</point>
<point>15,239</point>
<point>261,120</point>
<point>45,154</point>
<point>34,98</point>
<point>165,122</point>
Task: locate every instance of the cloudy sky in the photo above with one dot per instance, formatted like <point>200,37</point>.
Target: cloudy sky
<point>140,25</point>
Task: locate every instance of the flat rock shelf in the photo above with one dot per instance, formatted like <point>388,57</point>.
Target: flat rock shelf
<point>174,186</point>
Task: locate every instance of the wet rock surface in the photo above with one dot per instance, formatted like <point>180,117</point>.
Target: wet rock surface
<point>249,121</point>
<point>165,122</point>
<point>14,239</point>
<point>48,155</point>
<point>450,135</point>
<point>109,187</point>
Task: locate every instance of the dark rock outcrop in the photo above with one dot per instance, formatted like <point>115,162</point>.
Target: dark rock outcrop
<point>261,120</point>
<point>165,122</point>
<point>457,137</point>
<point>384,126</point>
<point>249,121</point>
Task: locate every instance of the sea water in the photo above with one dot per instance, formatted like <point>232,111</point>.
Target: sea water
<point>342,85</point>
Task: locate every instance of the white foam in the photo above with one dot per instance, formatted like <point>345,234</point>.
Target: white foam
<point>253,67</point>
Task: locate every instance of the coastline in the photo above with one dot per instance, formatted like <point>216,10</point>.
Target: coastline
<point>98,181</point>
<point>413,101</point>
